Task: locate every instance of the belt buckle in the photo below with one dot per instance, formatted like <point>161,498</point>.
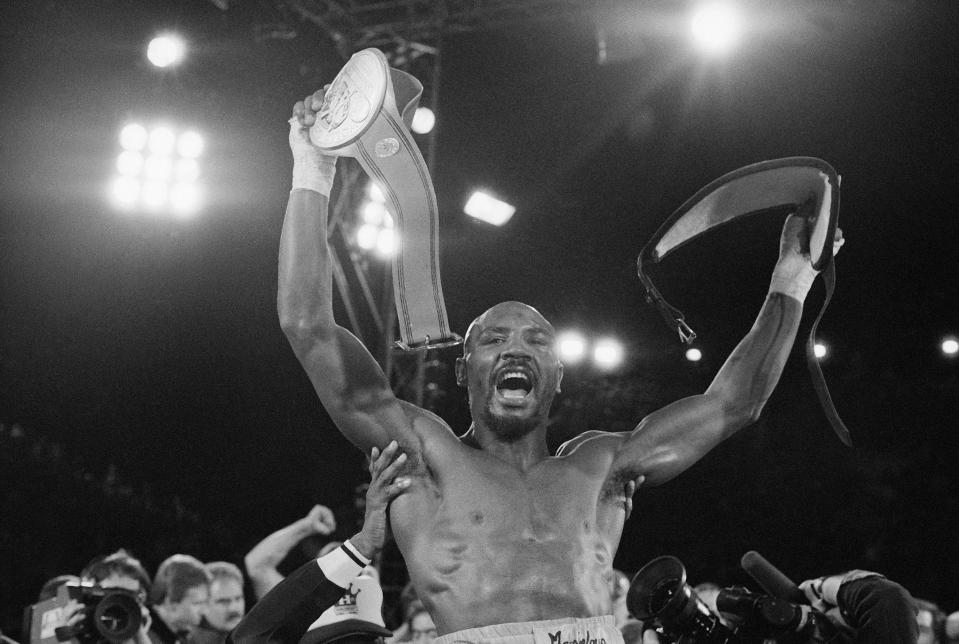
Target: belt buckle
<point>454,340</point>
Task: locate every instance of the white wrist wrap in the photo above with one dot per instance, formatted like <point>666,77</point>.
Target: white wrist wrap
<point>313,174</point>
<point>795,284</point>
<point>339,567</point>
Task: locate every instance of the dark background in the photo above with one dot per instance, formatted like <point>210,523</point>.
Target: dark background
<point>149,400</point>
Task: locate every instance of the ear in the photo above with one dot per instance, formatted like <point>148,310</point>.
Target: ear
<point>559,377</point>
<point>460,369</point>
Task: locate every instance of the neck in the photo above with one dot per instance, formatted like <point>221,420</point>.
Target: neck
<point>522,452</point>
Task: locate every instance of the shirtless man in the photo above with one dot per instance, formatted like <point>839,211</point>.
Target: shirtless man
<point>496,533</point>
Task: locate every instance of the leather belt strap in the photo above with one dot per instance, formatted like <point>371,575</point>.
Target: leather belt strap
<point>366,115</point>
<point>805,185</point>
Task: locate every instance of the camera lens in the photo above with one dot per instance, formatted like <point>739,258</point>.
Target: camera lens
<point>662,592</point>
<point>117,617</point>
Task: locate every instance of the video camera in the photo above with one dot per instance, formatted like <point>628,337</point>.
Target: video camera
<point>111,615</point>
<point>660,595</point>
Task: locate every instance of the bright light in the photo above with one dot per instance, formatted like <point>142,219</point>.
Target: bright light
<point>693,354</point>
<point>366,236</point>
<point>375,193</point>
<point>386,242</point>
<point>487,208</point>
<point>950,346</point>
<point>154,195</point>
<point>423,120</point>
<point>185,198</point>
<point>162,140</point>
<point>129,163</point>
<point>820,350</point>
<point>133,137</point>
<point>571,347</point>
<point>124,192</point>
<point>373,212</point>
<point>715,27</point>
<point>190,145</point>
<point>607,353</point>
<point>187,170</point>
<point>166,164</point>
<point>158,167</point>
<point>166,50</point>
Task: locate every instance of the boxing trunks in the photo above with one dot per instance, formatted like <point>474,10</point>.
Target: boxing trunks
<point>571,630</point>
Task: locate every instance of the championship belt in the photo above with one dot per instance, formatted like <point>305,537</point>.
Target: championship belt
<point>805,185</point>
<point>366,115</point>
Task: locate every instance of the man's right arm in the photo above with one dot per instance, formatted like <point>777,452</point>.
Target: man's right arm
<point>263,559</point>
<point>354,390</point>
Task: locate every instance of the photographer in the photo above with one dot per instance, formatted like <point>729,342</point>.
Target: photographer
<point>865,606</point>
<point>118,570</point>
<point>855,606</point>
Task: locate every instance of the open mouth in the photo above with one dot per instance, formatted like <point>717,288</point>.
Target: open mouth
<point>514,384</point>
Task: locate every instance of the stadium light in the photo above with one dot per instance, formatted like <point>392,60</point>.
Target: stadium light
<point>166,50</point>
<point>607,353</point>
<point>821,350</point>
<point>423,120</point>
<point>715,27</point>
<point>950,347</point>
<point>571,347</point>
<point>157,170</point>
<point>488,208</point>
<point>376,230</point>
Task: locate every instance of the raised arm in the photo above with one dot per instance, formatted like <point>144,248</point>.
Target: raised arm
<point>348,380</point>
<point>262,560</point>
<point>670,440</point>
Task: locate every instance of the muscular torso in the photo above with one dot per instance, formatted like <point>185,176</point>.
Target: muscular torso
<point>487,543</point>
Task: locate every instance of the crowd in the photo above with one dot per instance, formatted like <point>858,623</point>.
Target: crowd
<point>337,596</point>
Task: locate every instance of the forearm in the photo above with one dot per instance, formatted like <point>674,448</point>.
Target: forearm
<point>749,375</point>
<point>305,289</point>
<point>284,614</point>
<point>268,553</point>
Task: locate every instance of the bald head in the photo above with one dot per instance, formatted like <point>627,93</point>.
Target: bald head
<point>496,312</point>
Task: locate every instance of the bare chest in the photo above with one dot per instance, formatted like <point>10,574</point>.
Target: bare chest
<point>489,502</point>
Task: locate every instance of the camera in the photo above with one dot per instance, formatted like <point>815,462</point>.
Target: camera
<point>110,615</point>
<point>659,595</point>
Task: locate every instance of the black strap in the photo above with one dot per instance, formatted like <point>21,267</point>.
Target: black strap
<point>818,381</point>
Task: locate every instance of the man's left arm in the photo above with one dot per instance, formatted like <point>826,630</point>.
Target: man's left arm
<point>670,440</point>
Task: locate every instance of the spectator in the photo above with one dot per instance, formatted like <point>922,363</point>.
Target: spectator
<point>262,561</point>
<point>932,622</point>
<point>117,570</point>
<point>179,597</point>
<point>952,628</point>
<point>619,584</point>
<point>421,627</point>
<point>226,607</point>
<point>407,605</point>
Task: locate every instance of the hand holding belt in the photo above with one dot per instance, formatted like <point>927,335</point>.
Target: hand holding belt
<point>366,115</point>
<point>804,184</point>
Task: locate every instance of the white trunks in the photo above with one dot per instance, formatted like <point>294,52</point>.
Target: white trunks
<point>585,630</point>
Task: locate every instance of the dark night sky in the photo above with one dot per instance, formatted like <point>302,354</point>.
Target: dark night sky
<point>153,344</point>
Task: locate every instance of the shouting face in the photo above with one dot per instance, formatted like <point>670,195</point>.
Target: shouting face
<point>510,369</point>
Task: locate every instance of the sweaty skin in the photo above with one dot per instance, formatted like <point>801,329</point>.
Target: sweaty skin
<point>493,528</point>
